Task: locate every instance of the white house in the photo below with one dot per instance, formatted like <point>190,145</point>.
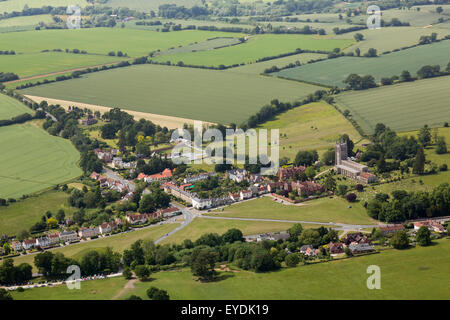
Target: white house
<point>43,242</point>
<point>200,204</point>
<point>245,194</point>
<point>68,236</point>
<point>16,245</point>
<point>107,227</point>
<point>28,244</point>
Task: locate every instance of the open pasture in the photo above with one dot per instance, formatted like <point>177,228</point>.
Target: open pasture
<point>25,21</point>
<point>209,95</point>
<point>34,160</point>
<point>333,72</point>
<point>147,5</point>
<point>402,107</point>
<point>10,107</point>
<point>18,5</point>
<point>256,47</point>
<point>25,65</point>
<point>312,126</point>
<point>103,40</point>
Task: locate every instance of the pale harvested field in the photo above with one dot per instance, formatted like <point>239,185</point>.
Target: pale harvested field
<point>163,121</point>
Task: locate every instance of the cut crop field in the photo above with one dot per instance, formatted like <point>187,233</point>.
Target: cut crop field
<point>208,95</point>
<point>17,5</point>
<point>333,72</point>
<point>417,273</point>
<point>25,65</point>
<point>34,160</point>
<point>259,67</point>
<point>10,107</point>
<point>103,40</point>
<point>402,107</point>
<point>320,210</point>
<point>256,47</point>
<point>313,126</point>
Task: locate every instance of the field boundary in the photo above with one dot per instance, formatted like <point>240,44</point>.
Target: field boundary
<point>164,121</point>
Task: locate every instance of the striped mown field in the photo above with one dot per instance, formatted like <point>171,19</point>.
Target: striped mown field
<point>402,107</point>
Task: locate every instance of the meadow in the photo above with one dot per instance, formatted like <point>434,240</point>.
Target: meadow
<point>118,242</point>
<point>25,21</point>
<point>25,65</point>
<point>313,126</point>
<point>133,42</point>
<point>208,95</point>
<point>17,5</point>
<point>35,160</point>
<point>402,107</point>
<point>23,214</point>
<point>256,47</point>
<point>384,66</point>
<point>417,273</point>
<point>320,210</point>
<point>10,107</point>
<point>147,6</point>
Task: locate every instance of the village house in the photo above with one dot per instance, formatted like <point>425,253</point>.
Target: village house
<point>390,229</point>
<point>88,232</point>
<point>89,121</point>
<point>290,173</point>
<point>166,174</point>
<point>137,218</point>
<point>201,204</point>
<point>107,227</point>
<point>336,247</point>
<point>53,238</point>
<point>43,242</point>
<point>361,248</point>
<point>431,225</point>
<point>357,237</point>
<point>307,187</point>
<point>68,236</point>
<point>234,196</point>
<point>16,245</point>
<point>245,194</point>
<point>237,175</point>
<point>305,247</point>
<point>169,212</point>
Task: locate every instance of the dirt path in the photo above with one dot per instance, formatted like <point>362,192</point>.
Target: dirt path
<point>164,121</point>
<point>64,71</point>
<point>127,287</point>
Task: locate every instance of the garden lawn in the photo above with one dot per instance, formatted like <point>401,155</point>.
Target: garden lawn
<point>320,210</point>
<point>256,47</point>
<point>10,107</point>
<point>209,95</point>
<point>402,107</point>
<point>35,160</point>
<point>23,214</point>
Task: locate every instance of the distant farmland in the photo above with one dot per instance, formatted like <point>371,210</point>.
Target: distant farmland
<point>10,107</point>
<point>333,72</point>
<point>209,95</point>
<point>35,160</point>
<point>402,107</point>
<point>256,47</point>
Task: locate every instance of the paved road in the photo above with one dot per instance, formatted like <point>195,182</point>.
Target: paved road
<point>112,175</point>
<point>188,217</point>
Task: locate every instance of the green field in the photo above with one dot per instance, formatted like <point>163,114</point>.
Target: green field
<point>133,42</point>
<point>17,5</point>
<point>209,95</point>
<point>201,226</point>
<point>312,126</point>
<point>256,47</point>
<point>321,210</point>
<point>25,21</point>
<point>25,65</point>
<point>417,273</point>
<point>35,160</point>
<point>257,68</point>
<point>10,107</point>
<point>118,242</point>
<point>209,44</point>
<point>385,66</point>
<point>147,5</point>
<point>23,214</point>
<point>402,107</point>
